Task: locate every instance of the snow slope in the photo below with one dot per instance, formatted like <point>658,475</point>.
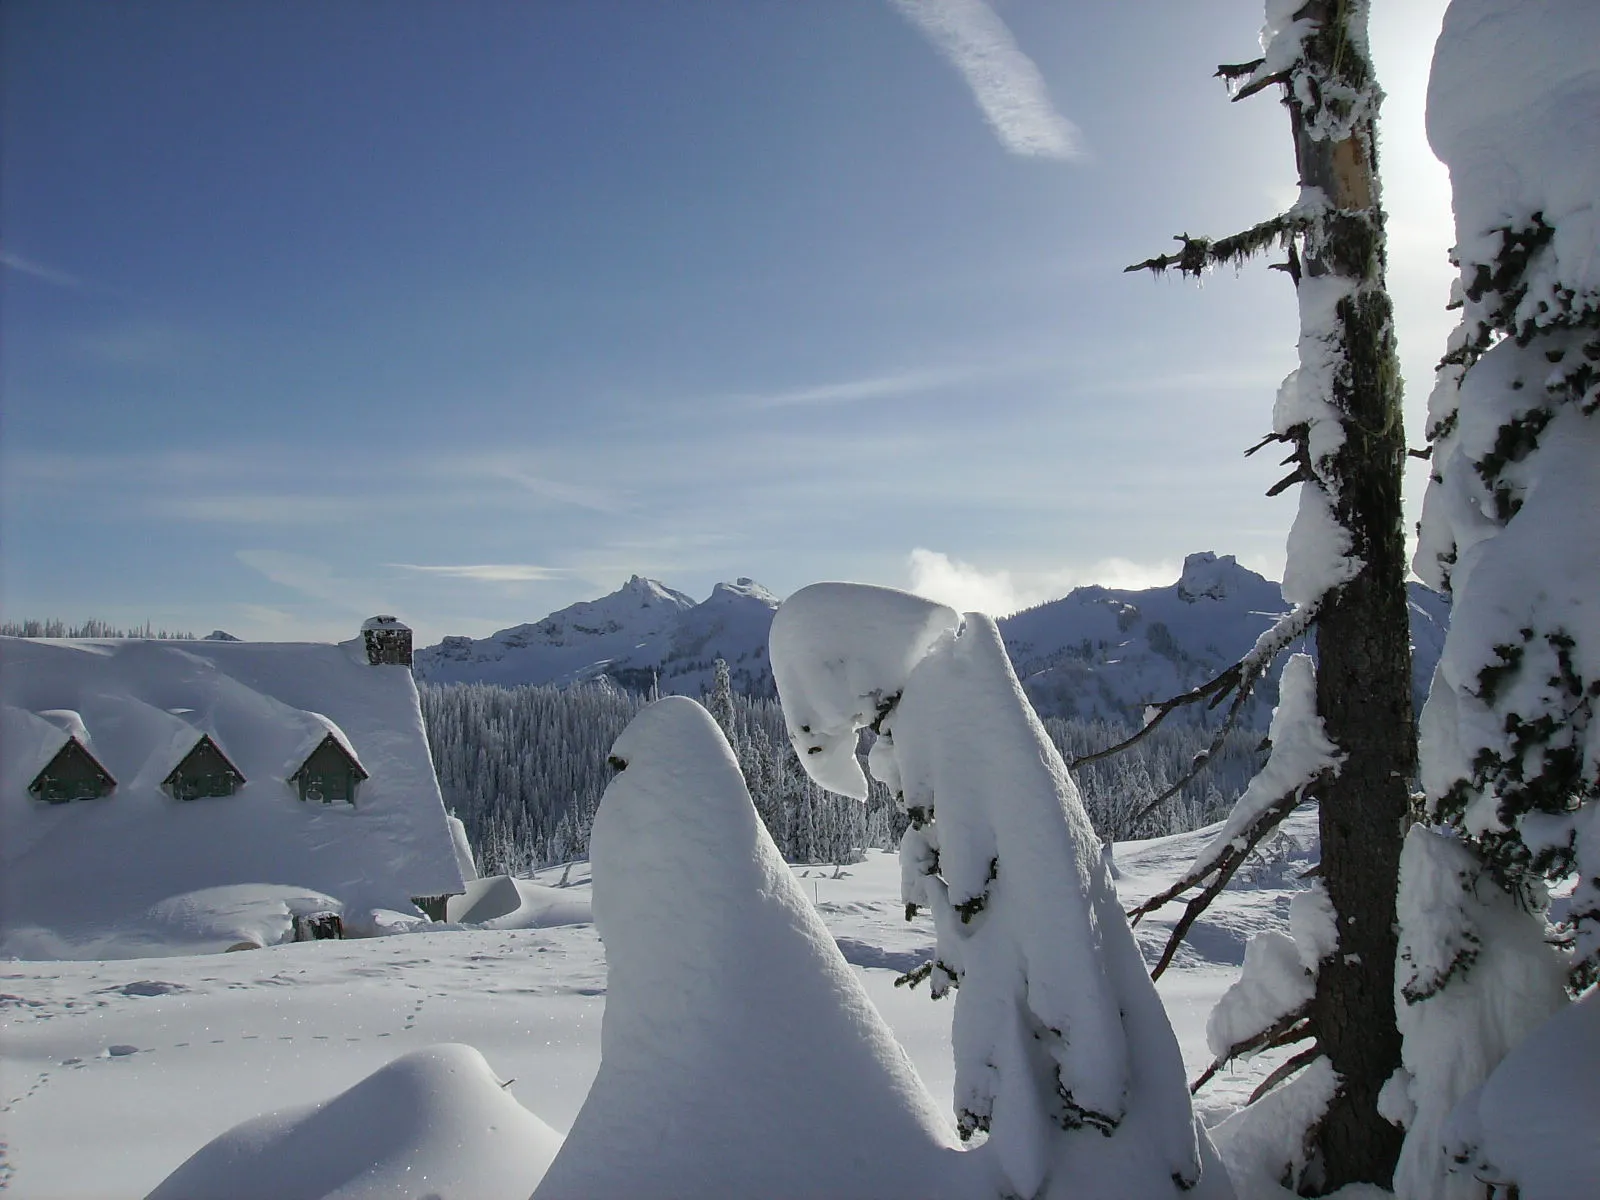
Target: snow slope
<point>73,872</point>
<point>1097,652</point>
<point>158,1057</point>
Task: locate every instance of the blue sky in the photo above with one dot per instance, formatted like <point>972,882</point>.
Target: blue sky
<point>467,311</point>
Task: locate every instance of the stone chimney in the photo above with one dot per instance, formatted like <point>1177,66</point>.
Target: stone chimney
<point>388,641</point>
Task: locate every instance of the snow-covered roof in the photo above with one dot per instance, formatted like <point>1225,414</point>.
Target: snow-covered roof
<point>384,622</point>
<point>140,707</point>
<point>27,744</point>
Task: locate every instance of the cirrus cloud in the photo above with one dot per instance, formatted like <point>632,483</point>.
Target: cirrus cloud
<point>1007,85</point>
<point>489,572</point>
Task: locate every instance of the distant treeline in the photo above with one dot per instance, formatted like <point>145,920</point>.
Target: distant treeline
<point>89,629</point>
<point>524,768</point>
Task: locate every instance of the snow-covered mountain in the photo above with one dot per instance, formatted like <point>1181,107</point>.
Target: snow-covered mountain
<point>641,632</point>
<point>1096,652</point>
<point>1103,652</point>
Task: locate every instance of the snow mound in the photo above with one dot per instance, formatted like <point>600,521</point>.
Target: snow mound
<point>435,1122</point>
<point>254,912</point>
<point>501,902</point>
<point>740,1056</point>
<point>204,921</point>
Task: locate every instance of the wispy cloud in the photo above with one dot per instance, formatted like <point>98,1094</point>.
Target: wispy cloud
<point>875,387</point>
<point>35,270</point>
<point>489,572</point>
<point>1007,85</point>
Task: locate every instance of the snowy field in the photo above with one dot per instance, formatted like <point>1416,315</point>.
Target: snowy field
<point>113,1072</point>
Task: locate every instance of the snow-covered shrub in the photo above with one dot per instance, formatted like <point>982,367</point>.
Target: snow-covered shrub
<point>1064,1055</point>
<point>739,1055</point>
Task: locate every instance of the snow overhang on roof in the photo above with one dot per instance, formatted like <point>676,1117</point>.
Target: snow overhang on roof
<point>30,743</point>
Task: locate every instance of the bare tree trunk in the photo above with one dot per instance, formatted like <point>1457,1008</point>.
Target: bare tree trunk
<point>1350,446</point>
<point>1363,641</point>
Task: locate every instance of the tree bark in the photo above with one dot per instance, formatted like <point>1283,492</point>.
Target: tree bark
<point>1363,643</point>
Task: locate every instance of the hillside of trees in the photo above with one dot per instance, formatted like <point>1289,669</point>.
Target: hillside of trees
<point>524,768</point>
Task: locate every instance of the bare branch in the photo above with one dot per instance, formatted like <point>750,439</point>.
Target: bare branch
<point>1303,1059</point>
<point>1298,475</point>
<point>1239,679</point>
<point>1260,84</point>
<point>1205,1076</point>
<point>1218,687</point>
<point>1267,441</point>
<point>1229,861</point>
<point>1191,914</point>
<point>1285,1031</point>
<point>1233,71</point>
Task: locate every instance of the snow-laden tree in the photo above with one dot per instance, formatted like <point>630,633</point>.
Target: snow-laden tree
<point>1063,1052</point>
<point>1340,414</point>
<point>720,703</point>
<point>1511,522</point>
<point>740,1055</point>
<point>1510,745</point>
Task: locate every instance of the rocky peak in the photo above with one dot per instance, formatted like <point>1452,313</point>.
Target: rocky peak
<point>1208,576</point>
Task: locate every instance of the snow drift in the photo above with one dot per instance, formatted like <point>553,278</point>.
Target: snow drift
<point>740,1056</point>
<point>434,1122</point>
<point>502,902</point>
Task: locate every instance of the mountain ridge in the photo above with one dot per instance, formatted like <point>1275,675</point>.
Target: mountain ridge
<point>1095,653</point>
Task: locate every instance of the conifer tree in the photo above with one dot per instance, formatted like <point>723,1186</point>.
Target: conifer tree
<point>1511,730</point>
<point>1064,1056</point>
<point>1510,736</point>
<point>719,702</point>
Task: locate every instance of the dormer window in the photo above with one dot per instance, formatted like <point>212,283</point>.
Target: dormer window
<point>204,771</point>
<point>329,774</point>
<point>72,774</point>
